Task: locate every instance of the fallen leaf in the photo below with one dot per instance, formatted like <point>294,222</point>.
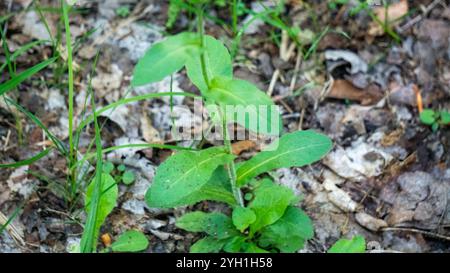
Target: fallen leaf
<point>391,14</point>
<point>394,11</point>
<point>240,146</point>
<point>343,89</point>
<point>106,239</point>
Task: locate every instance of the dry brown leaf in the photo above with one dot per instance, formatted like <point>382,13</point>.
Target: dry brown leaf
<point>106,239</point>
<point>240,146</point>
<point>149,133</point>
<point>392,137</point>
<point>393,12</point>
<point>343,89</point>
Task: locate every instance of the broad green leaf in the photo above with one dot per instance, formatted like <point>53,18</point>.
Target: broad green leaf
<point>130,241</point>
<point>183,174</point>
<point>269,205</point>
<point>256,111</point>
<point>165,58</point>
<point>289,233</point>
<point>253,248</point>
<point>243,217</point>
<point>107,202</point>
<point>18,79</point>
<point>216,189</point>
<point>217,63</point>
<point>235,244</point>
<point>355,245</point>
<point>207,245</point>
<point>215,224</point>
<point>428,117</point>
<point>294,150</point>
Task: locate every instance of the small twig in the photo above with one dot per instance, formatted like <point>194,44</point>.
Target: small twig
<point>419,17</point>
<point>423,232</point>
<point>418,98</point>
<point>298,62</point>
<point>285,54</point>
<point>325,90</point>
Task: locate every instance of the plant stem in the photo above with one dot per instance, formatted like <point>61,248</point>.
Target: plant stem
<point>235,16</point>
<point>72,155</point>
<point>231,167</point>
<point>202,44</point>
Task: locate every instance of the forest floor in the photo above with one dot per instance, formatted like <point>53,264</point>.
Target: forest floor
<point>387,177</point>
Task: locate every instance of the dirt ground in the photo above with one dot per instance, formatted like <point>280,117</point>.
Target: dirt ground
<point>387,177</point>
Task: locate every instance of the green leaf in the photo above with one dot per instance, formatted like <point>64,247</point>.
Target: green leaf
<point>294,150</point>
<point>258,112</point>
<point>165,58</point>
<point>28,161</point>
<point>235,244</point>
<point>130,241</point>
<point>217,188</point>
<point>269,205</point>
<point>207,245</point>
<point>121,168</point>
<point>356,245</point>
<point>183,174</point>
<point>18,79</point>
<point>128,177</point>
<point>253,248</point>
<point>289,233</point>
<point>107,201</point>
<point>445,118</point>
<point>215,224</point>
<point>108,167</point>
<point>428,117</point>
<point>217,63</point>
<point>243,217</point>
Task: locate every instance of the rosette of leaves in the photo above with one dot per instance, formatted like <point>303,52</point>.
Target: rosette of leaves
<point>269,220</point>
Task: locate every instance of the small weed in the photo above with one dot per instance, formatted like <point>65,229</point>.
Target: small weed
<point>267,219</point>
<point>435,119</point>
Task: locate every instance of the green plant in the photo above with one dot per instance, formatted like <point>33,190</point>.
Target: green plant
<point>123,11</point>
<point>355,245</point>
<point>435,119</point>
<point>101,193</point>
<point>268,219</point>
<point>177,6</point>
<point>366,6</point>
<point>120,173</point>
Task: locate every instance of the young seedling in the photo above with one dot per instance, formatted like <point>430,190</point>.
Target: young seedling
<point>435,119</point>
<point>123,11</point>
<point>267,219</point>
<point>120,174</point>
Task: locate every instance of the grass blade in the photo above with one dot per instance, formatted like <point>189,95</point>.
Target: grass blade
<point>14,82</point>
<point>59,145</point>
<point>28,161</point>
<point>118,103</point>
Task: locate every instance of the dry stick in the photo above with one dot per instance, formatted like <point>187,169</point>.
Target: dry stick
<point>285,54</point>
<point>419,17</point>
<point>423,232</point>
<point>11,229</point>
